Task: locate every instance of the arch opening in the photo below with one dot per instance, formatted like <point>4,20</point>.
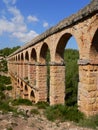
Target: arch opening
<point>61,47</point>
<point>67,52</point>
<point>33,55</point>
<point>45,59</point>
<point>26,88</point>
<point>26,92</point>
<point>22,58</point>
<point>19,57</point>
<point>32,96</point>
<point>27,56</point>
<point>43,53</point>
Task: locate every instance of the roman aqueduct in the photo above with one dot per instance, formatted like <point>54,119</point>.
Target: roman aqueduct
<point>28,67</point>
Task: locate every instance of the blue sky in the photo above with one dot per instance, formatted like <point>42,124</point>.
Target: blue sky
<point>22,20</point>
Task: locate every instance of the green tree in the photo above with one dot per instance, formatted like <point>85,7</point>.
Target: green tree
<point>71,76</point>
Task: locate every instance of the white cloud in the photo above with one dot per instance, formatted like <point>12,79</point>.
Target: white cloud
<point>6,26</point>
<point>45,24</point>
<point>25,37</point>
<point>16,26</point>
<point>9,2</point>
<point>18,18</point>
<point>32,18</point>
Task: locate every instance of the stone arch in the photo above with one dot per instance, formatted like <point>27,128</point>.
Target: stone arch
<point>21,90</point>
<point>22,56</point>
<point>59,54</point>
<point>21,65</point>
<point>27,56</point>
<point>94,47</point>
<point>26,88</point>
<point>18,57</point>
<point>14,58</point>
<point>43,52</point>
<point>32,96</point>
<point>33,55</point>
<point>26,91</point>
<point>58,71</point>
<point>21,85</point>
<point>32,67</point>
<point>42,72</point>
<point>26,59</point>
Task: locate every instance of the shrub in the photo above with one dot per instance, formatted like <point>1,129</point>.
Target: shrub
<point>2,95</point>
<point>2,87</point>
<point>5,80</point>
<point>42,105</point>
<point>22,102</point>
<point>9,88</point>
<point>60,112</point>
<point>91,122</point>
<point>34,111</point>
<point>5,107</point>
<point>10,128</point>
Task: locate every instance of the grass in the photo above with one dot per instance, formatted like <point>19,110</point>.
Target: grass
<point>63,113</point>
<point>22,102</point>
<point>91,122</point>
<point>42,105</point>
<point>4,106</point>
<point>34,112</point>
<point>10,128</point>
<point>66,113</point>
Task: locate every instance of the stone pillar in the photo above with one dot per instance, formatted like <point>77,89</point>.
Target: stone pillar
<point>88,87</point>
<point>18,68</point>
<point>25,70</point>
<point>41,82</point>
<point>14,84</point>
<point>32,74</point>
<point>25,92</point>
<point>57,83</point>
<point>17,90</point>
<point>15,68</point>
<point>21,69</point>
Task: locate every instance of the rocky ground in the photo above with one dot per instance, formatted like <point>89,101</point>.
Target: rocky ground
<point>33,122</point>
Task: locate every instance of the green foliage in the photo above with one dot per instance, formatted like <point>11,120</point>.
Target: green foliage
<point>9,88</point>
<point>42,105</point>
<point>91,122</point>
<point>22,102</point>
<point>10,128</point>
<point>5,80</point>
<point>72,77</point>
<point>2,95</point>
<point>34,112</point>
<point>3,66</point>
<point>61,112</point>
<point>4,106</point>
<point>2,87</point>
<point>7,51</point>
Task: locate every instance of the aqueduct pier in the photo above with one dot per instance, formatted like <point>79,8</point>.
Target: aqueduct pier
<point>28,67</point>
